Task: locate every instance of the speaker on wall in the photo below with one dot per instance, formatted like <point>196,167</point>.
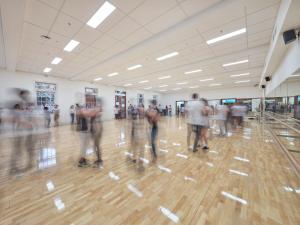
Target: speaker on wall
<point>267,78</point>
<point>263,86</point>
<point>289,36</point>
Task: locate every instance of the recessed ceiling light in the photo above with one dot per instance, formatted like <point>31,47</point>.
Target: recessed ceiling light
<point>144,81</point>
<point>162,90</point>
<point>226,36</point>
<point>56,60</point>
<point>193,71</point>
<point>295,75</point>
<point>208,79</point>
<point>165,85</point>
<point>71,45</point>
<point>196,86</point>
<point>175,89</point>
<point>97,79</point>
<point>147,88</point>
<point>134,67</point>
<point>47,70</point>
<point>242,81</point>
<point>170,55</point>
<point>235,63</point>
<point>164,77</point>
<point>102,13</point>
<point>215,85</point>
<point>182,83</point>
<point>112,74</point>
<point>126,85</point>
<point>239,75</point>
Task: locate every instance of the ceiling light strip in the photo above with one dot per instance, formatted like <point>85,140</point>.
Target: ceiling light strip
<point>101,14</point>
<point>226,36</point>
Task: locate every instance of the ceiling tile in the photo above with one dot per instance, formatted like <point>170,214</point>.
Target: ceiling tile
<point>167,20</point>
<point>266,25</point>
<point>82,10</point>
<point>262,15</point>
<point>66,26</point>
<point>104,42</point>
<point>40,14</point>
<point>137,36</point>
<point>124,29</point>
<point>256,5</point>
<point>33,32</point>
<point>128,5</point>
<point>87,35</point>
<point>151,9</point>
<point>54,3</point>
<point>192,7</point>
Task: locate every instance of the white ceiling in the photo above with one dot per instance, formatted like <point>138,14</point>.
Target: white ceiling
<point>139,31</point>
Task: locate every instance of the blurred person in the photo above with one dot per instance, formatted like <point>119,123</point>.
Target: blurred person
<point>137,135</point>
<point>47,115</point>
<point>141,111</point>
<point>238,113</point>
<point>77,109</point>
<point>182,110</point>
<point>116,112</point>
<point>205,112</point>
<point>129,110</point>
<point>84,136</point>
<point>152,115</point>
<point>170,110</point>
<point>56,115</point>
<point>194,110</point>
<point>166,111</point>
<point>222,113</point>
<point>189,121</point>
<point>24,123</point>
<point>97,131</point>
<point>72,113</point>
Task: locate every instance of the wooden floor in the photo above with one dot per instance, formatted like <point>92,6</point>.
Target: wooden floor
<point>243,179</point>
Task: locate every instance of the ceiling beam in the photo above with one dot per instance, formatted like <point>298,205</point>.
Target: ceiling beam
<point>12,12</point>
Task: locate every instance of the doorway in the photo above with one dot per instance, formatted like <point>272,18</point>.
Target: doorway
<point>180,107</point>
<point>120,103</point>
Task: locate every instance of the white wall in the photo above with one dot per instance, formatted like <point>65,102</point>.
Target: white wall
<point>288,66</point>
<point>288,88</point>
<point>66,91</point>
<point>237,92</point>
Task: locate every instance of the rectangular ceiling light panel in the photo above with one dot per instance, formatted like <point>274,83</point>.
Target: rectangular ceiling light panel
<point>47,70</point>
<point>240,75</point>
<point>71,45</point>
<point>102,13</point>
<point>193,71</point>
<point>170,55</point>
<point>235,63</point>
<point>226,36</point>
<point>134,67</point>
<point>56,60</point>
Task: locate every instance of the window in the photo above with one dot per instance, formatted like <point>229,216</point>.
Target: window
<point>45,94</point>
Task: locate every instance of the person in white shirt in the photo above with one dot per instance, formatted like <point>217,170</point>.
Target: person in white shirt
<point>72,113</point>
<point>206,111</point>
<point>222,112</point>
<point>194,108</point>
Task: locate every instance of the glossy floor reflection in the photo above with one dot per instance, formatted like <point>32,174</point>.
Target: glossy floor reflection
<point>238,181</point>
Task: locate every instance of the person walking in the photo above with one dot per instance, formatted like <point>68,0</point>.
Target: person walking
<point>152,115</point>
<point>194,110</point>
<point>56,116</point>
<point>72,113</point>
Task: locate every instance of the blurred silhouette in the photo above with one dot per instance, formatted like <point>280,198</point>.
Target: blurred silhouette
<point>222,114</point>
<point>72,113</point>
<point>56,115</point>
<point>152,115</point>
